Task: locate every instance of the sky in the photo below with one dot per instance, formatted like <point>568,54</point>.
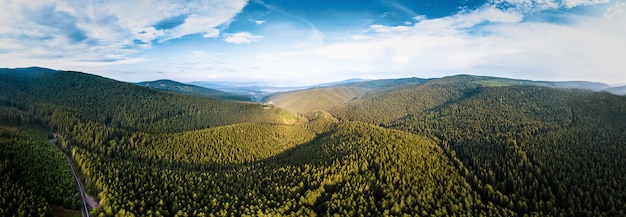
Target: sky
<point>303,42</point>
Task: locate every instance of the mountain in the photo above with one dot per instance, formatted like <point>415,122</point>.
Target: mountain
<point>254,90</point>
<point>352,80</point>
<point>115,104</point>
<point>177,87</point>
<point>454,146</point>
<point>381,84</point>
<point>585,85</point>
<point>315,98</point>
<point>621,90</point>
<point>325,97</point>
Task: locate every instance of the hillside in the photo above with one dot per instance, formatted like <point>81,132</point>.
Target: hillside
<point>529,148</point>
<point>454,146</point>
<point>95,114</point>
<point>350,169</point>
<point>114,104</point>
<point>177,87</point>
<point>315,98</point>
<point>330,96</point>
<point>334,94</point>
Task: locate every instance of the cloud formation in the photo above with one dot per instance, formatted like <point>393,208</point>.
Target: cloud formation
<point>241,38</point>
<point>529,39</point>
<point>104,31</point>
<point>488,41</point>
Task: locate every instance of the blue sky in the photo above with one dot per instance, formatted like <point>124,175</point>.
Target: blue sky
<point>287,42</point>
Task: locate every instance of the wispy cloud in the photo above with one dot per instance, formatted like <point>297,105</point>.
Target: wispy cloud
<point>241,38</point>
<point>510,38</point>
<point>103,31</point>
<point>315,34</point>
<point>488,41</point>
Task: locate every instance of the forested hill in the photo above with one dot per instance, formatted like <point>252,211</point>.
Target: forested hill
<point>533,149</point>
<point>48,95</point>
<point>333,95</point>
<point>327,97</point>
<point>177,87</point>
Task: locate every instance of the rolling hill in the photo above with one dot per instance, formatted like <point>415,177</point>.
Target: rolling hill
<point>521,146</point>
<point>326,97</point>
<point>116,104</point>
<point>177,87</point>
<point>621,90</point>
<point>453,146</point>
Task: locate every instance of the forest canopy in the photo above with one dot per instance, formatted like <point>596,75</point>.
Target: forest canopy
<point>454,146</point>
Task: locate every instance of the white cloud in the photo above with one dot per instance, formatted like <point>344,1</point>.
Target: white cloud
<point>575,3</point>
<point>271,57</point>
<point>492,40</point>
<point>70,31</point>
<point>241,38</point>
<point>540,5</point>
<point>489,41</point>
<point>529,5</point>
<point>615,10</point>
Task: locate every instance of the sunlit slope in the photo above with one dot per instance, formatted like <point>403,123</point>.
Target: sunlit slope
<point>229,144</point>
<point>329,97</point>
<point>316,98</point>
<point>533,149</point>
<point>350,169</point>
<point>383,106</point>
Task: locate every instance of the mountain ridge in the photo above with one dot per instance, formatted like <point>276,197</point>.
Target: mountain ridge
<point>177,87</point>
<point>255,88</point>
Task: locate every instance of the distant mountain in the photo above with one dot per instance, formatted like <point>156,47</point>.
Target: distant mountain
<point>322,98</point>
<point>382,83</point>
<point>177,87</point>
<point>352,80</point>
<point>328,96</point>
<point>245,87</point>
<point>254,90</point>
<point>621,90</point>
<point>585,85</point>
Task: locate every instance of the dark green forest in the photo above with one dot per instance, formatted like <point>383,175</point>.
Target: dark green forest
<point>33,172</point>
<point>532,149</point>
<point>454,146</point>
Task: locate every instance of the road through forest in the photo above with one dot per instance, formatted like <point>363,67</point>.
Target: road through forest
<point>87,202</point>
<point>83,196</point>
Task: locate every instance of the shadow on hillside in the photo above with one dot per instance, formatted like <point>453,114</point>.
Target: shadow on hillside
<point>314,152</point>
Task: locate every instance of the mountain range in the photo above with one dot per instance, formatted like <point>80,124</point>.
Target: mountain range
<point>454,146</point>
<point>258,93</point>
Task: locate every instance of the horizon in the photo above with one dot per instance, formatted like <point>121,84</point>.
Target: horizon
<point>312,42</point>
<point>226,84</point>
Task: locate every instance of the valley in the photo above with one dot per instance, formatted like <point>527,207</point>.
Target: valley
<point>453,146</point>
